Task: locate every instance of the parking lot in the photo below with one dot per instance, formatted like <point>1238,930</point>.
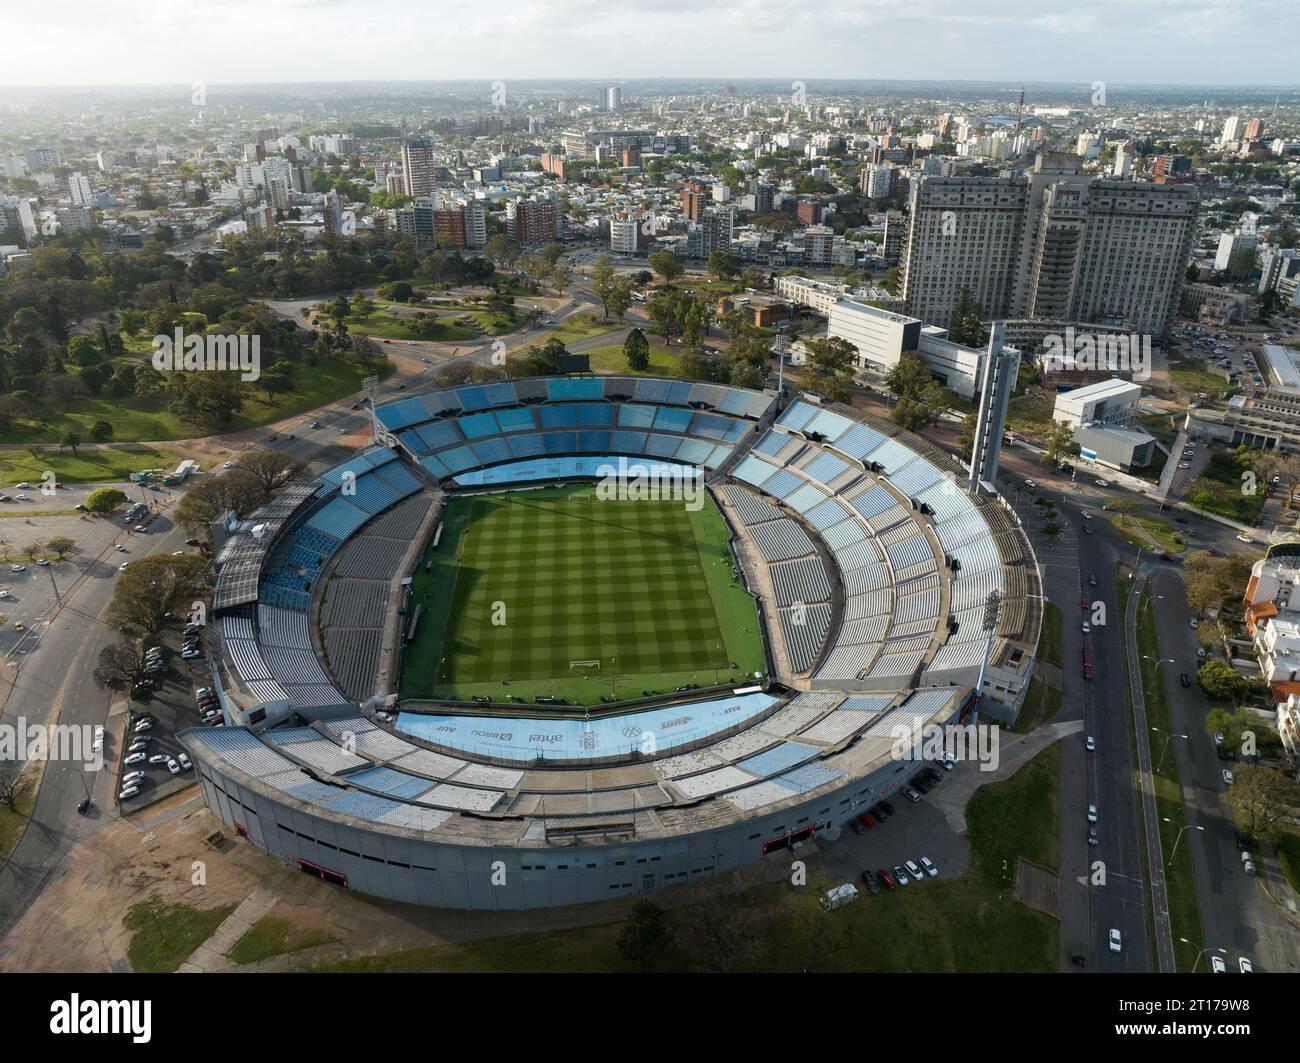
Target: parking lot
<point>170,708</point>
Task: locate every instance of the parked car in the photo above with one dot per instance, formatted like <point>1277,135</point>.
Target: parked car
<point>1093,838</point>
<point>1091,744</point>
<point>128,792</point>
<point>886,879</point>
<point>135,758</point>
<point>913,869</point>
<point>1217,966</point>
<point>173,766</point>
<point>1245,966</point>
<point>1184,679</point>
<point>865,819</point>
<point>911,795</point>
<point>857,827</point>
<point>900,876</point>
<point>871,882</point>
<point>1092,813</point>
<point>1114,940</point>
<point>184,760</point>
<point>930,869</point>
<point>1227,777</point>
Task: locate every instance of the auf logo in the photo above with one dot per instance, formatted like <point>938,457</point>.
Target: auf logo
<point>498,94</point>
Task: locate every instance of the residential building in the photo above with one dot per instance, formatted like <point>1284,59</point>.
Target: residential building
<point>1056,244</point>
<point>80,190</point>
<point>818,245</point>
<point>1236,253</point>
<point>531,221</point>
<point>717,224</point>
<point>418,167</point>
<point>1272,601</point>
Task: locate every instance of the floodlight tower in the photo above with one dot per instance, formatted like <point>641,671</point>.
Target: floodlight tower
<point>997,384</point>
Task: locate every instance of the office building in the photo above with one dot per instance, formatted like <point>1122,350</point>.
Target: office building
<point>1112,401</point>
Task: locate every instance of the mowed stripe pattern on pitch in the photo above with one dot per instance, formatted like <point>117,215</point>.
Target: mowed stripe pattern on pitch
<point>579,579</point>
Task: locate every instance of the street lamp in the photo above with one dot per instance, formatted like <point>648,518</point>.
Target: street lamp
<point>1182,830</point>
<point>1203,951</point>
<point>1165,747</point>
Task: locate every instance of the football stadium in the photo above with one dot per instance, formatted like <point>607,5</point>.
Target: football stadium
<point>557,640</point>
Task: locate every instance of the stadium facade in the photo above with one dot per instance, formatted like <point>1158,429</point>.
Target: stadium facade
<point>873,564</point>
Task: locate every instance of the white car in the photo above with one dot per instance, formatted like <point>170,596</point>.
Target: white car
<point>4,594</point>
<point>1102,483</point>
<point>130,791</point>
<point>1087,515</point>
<point>912,870</point>
<point>120,548</point>
<point>23,498</point>
<point>1243,537</point>
<point>132,776</point>
<point>178,553</point>
<point>1092,813</point>
<point>1227,777</point>
<point>43,563</point>
<point>143,725</point>
<point>17,568</point>
<point>930,869</point>
<point>1086,627</point>
<point>172,766</point>
<point>1217,966</point>
<point>1092,743</point>
<point>1184,465</point>
<point>135,758</point>
<point>1245,966</point>
<point>189,655</point>
<point>228,465</point>
<point>159,758</point>
<point>185,761</point>
<point>1113,939</point>
<point>1193,623</point>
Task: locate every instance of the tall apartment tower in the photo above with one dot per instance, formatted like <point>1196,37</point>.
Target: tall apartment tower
<point>417,167</point>
<point>613,98</point>
<point>1056,245</point>
<point>79,187</point>
<point>717,224</point>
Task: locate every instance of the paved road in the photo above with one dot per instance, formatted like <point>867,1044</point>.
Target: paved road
<point>1103,777</point>
<point>1236,914</point>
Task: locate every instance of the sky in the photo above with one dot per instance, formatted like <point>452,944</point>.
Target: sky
<point>138,42</point>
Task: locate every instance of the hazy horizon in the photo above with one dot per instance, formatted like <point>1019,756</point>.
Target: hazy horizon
<point>151,43</point>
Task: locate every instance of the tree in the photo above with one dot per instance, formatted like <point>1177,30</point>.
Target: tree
<point>104,501</point>
<point>238,490</point>
<point>72,441</point>
<point>61,545</point>
<point>966,434</point>
<point>272,468</point>
<point>667,265</point>
<point>1059,444</point>
<point>101,431</point>
<point>637,349</point>
<point>966,325</point>
<point>119,666</point>
<point>909,376</point>
<point>1222,681</point>
<point>830,363</point>
<point>645,935</point>
<point>151,588</point>
<point>723,265</point>
<point>1051,531</point>
<point>618,297</point>
<point>1262,799</point>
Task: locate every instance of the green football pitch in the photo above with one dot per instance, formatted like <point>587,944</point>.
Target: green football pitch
<point>555,591</point>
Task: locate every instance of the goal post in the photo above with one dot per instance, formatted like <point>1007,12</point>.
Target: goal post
<point>593,666</point>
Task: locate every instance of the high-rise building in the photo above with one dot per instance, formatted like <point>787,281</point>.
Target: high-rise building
<point>532,221</point>
<point>764,196</point>
<point>42,158</point>
<point>1254,129</point>
<point>278,193</point>
<point>808,212</point>
<point>818,245</point>
<point>79,188</point>
<point>896,224</point>
<point>877,182</point>
<point>613,98</point>
<point>417,167</point>
<point>1054,245</point>
<point>693,200</point>
<point>624,235</point>
<point>717,224</point>
<point>1231,130</point>
<point>1236,253</point>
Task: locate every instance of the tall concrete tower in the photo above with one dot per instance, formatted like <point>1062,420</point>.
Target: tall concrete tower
<point>997,384</point>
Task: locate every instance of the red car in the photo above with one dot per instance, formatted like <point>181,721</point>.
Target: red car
<point>356,406</point>
<point>886,878</point>
<point>1084,601</point>
<point>866,820</point>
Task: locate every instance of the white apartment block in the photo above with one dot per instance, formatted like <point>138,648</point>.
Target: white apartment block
<point>80,190</point>
<point>623,235</point>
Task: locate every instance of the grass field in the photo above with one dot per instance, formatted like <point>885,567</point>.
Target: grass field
<point>524,583</point>
<point>110,464</point>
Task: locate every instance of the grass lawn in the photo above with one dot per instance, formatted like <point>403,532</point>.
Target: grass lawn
<point>134,420</point>
<point>1162,532</point>
<point>924,927</point>
<point>581,327</point>
<point>1041,704</point>
<point>1184,914</point>
<point>1049,641</point>
<point>611,359</point>
<point>533,580</point>
<point>273,936</point>
<point>1288,852</point>
<point>111,464</point>
<point>1031,414</point>
<point>1221,489</point>
<point>390,327</point>
<point>1189,379</point>
<point>497,322</point>
<point>165,935</point>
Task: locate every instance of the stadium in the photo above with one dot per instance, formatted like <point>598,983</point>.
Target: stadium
<point>457,670</point>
